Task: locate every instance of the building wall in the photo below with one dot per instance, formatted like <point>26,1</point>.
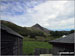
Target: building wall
<point>15,47</point>
<point>57,48</point>
<point>20,46</point>
<point>10,44</point>
<point>6,43</point>
<point>39,51</point>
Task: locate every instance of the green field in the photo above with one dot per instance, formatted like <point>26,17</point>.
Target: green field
<point>29,46</point>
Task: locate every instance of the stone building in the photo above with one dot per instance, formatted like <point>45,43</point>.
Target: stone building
<point>11,42</point>
<point>63,45</point>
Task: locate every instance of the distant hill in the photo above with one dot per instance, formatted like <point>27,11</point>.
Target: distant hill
<point>35,30</point>
<point>37,26</point>
<point>18,29</point>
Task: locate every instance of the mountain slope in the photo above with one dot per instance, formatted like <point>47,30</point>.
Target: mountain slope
<point>33,31</point>
<point>37,26</point>
<point>18,29</point>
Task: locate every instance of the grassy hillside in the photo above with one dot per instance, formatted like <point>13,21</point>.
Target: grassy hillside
<point>35,31</point>
<point>18,29</point>
<point>29,46</point>
<point>25,31</point>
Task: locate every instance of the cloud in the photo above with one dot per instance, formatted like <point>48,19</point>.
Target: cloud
<point>55,15</point>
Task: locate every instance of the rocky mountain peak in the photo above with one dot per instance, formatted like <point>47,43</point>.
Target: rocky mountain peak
<point>36,25</point>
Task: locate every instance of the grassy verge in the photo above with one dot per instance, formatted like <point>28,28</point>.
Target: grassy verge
<point>29,46</point>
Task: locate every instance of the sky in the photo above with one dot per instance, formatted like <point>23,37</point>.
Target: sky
<point>53,15</point>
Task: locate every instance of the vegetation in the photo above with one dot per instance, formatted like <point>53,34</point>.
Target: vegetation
<point>18,29</point>
<point>23,30</point>
<point>72,31</point>
<point>57,34</point>
<point>34,31</point>
<point>29,46</point>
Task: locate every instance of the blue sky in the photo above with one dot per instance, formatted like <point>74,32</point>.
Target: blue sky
<point>54,15</point>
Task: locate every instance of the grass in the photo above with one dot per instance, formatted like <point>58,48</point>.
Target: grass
<point>28,39</point>
<point>38,38</point>
<point>29,46</point>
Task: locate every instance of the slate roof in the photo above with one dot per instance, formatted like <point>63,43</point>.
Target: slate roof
<point>9,30</point>
<point>68,39</point>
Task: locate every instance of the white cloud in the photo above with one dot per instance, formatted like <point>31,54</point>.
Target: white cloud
<point>51,10</point>
<point>63,24</point>
<point>50,14</point>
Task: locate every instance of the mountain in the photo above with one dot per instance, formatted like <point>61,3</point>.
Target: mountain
<point>37,26</point>
<point>35,30</point>
<point>18,29</point>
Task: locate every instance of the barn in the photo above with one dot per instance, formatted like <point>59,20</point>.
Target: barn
<point>11,42</point>
<point>63,46</point>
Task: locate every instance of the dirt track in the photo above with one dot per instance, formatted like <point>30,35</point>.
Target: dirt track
<point>45,54</point>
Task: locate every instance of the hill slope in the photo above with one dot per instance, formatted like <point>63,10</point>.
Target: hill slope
<point>33,31</point>
<point>18,29</point>
<point>37,26</point>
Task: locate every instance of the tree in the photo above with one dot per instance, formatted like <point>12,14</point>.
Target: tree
<point>72,31</point>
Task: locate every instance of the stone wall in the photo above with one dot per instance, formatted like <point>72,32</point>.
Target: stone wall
<point>41,51</point>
